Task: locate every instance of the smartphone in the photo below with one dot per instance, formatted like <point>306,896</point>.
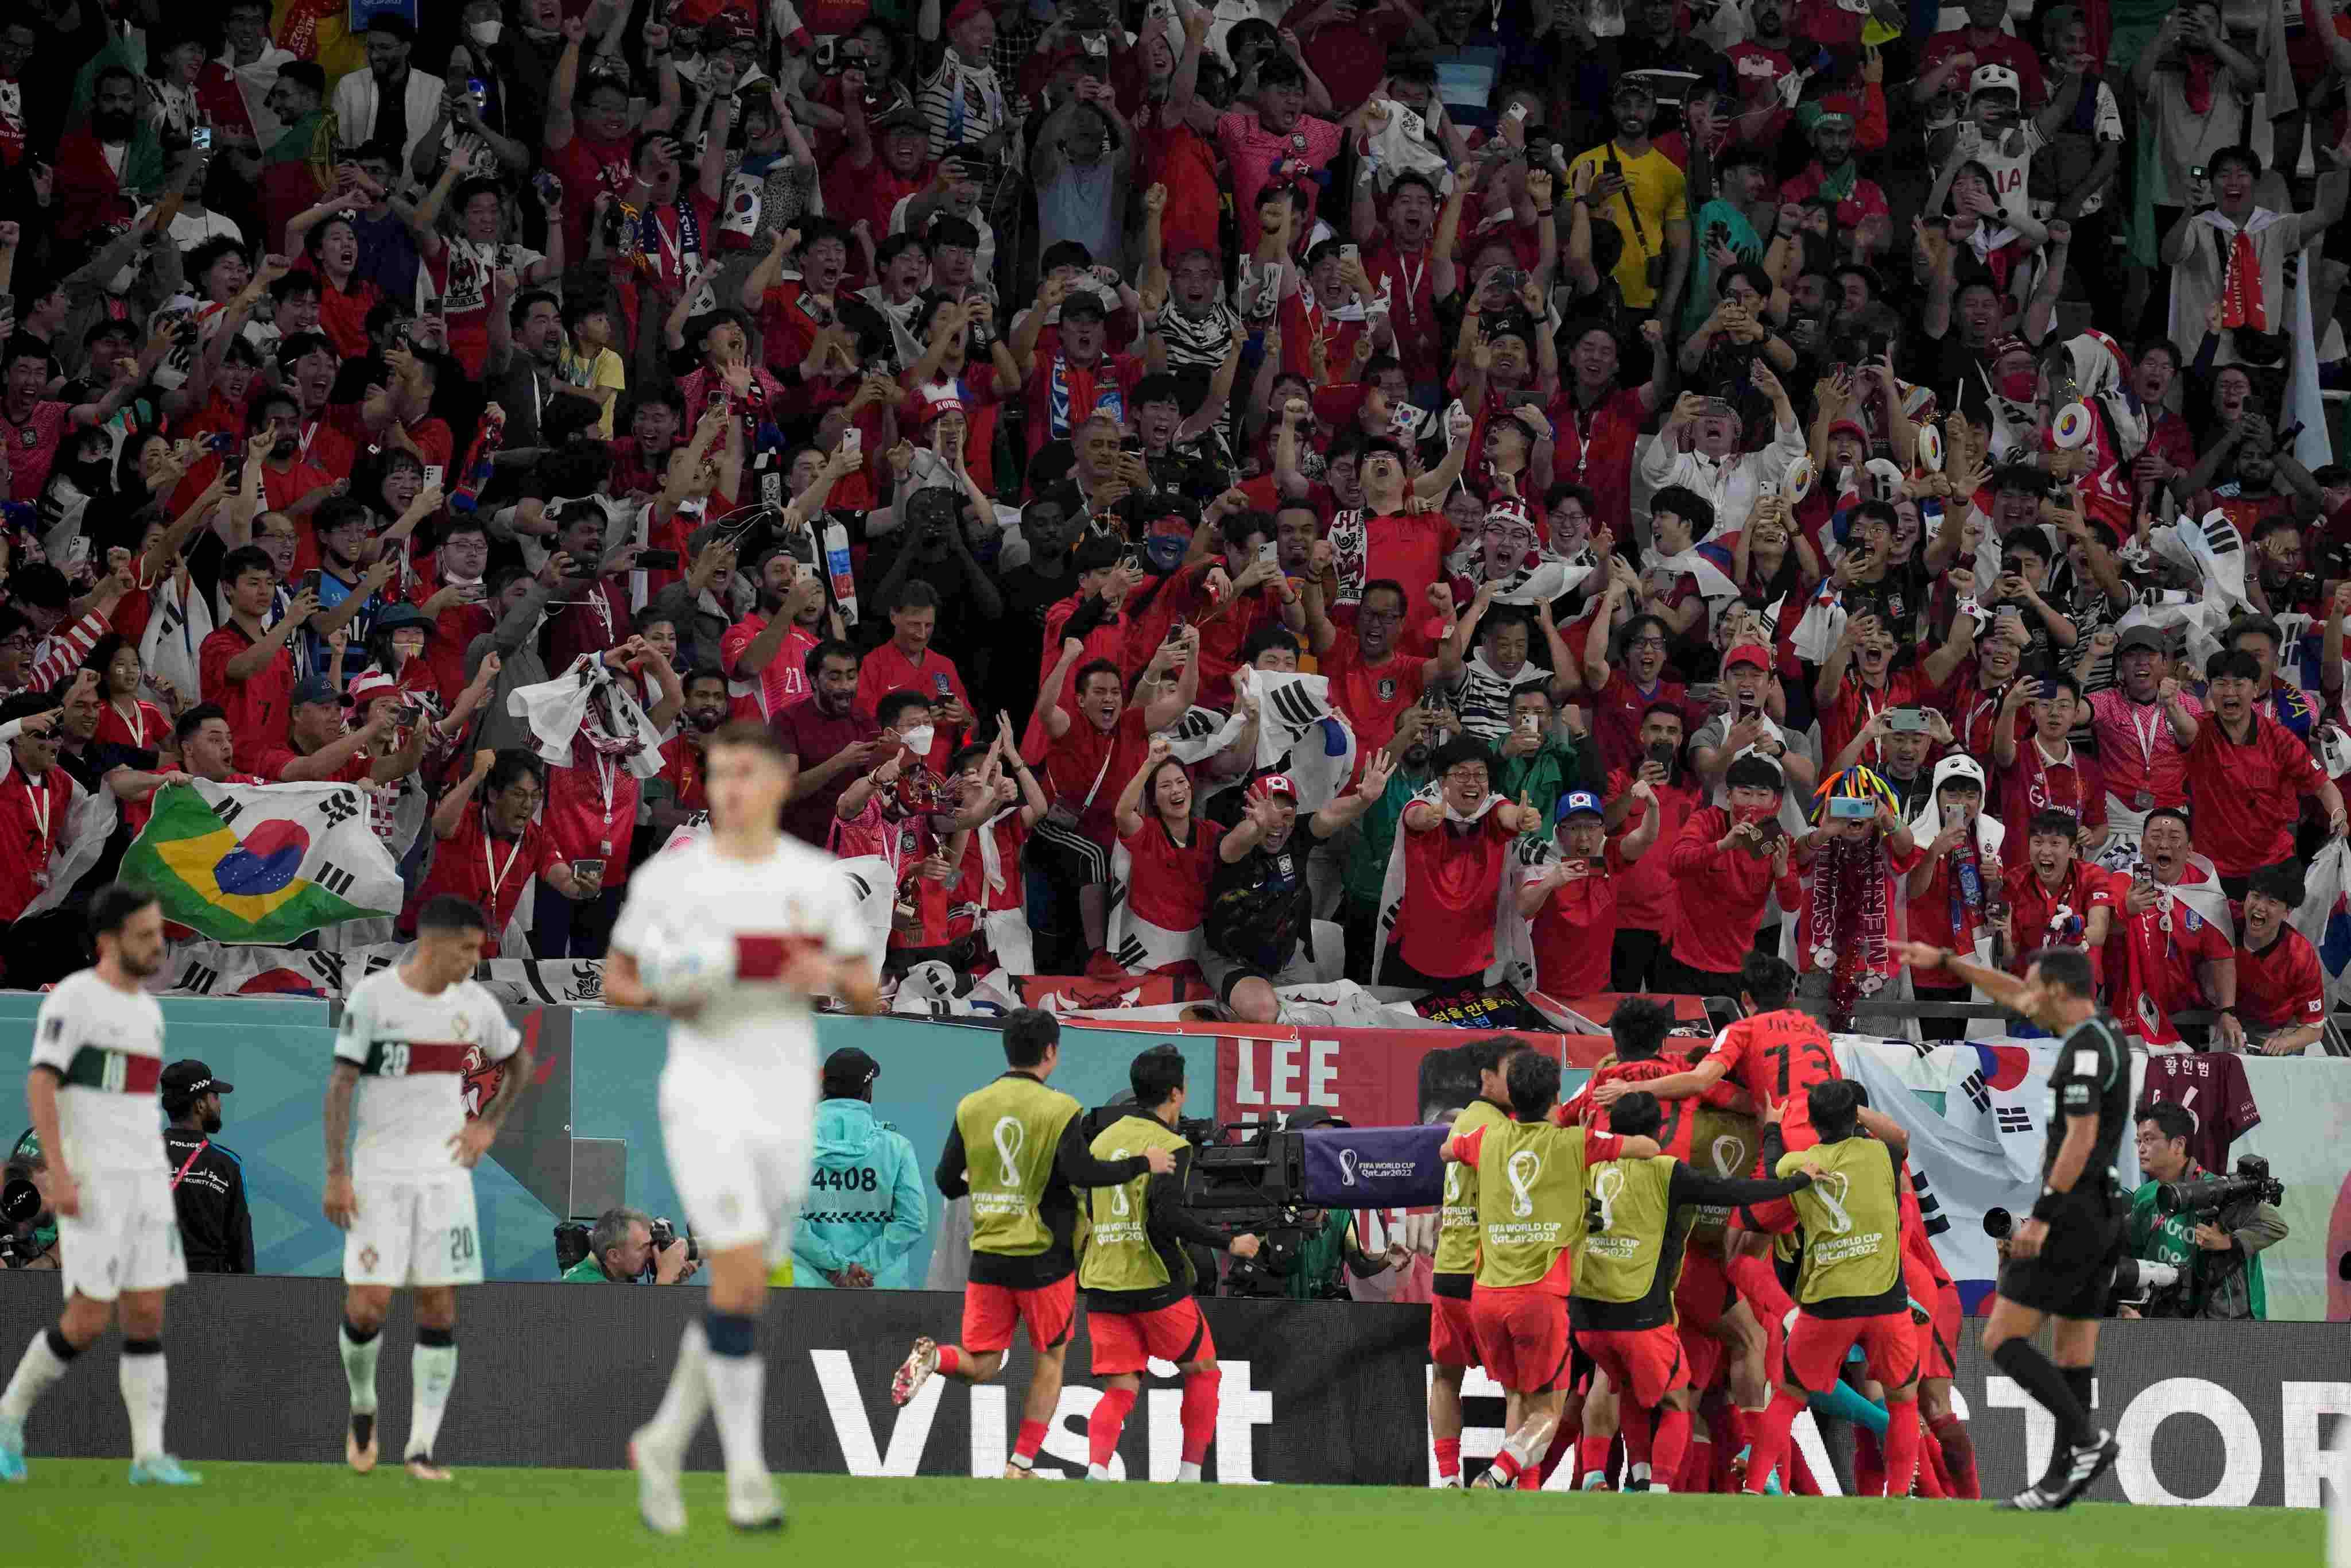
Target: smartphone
<point>1354,253</point>
<point>1529,724</point>
<point>2196,172</point>
<point>309,583</point>
<point>221,443</point>
<point>1132,560</point>
<point>658,559</point>
<point>1953,815</point>
<point>1906,721</point>
<point>588,865</point>
<point>853,439</point>
<point>480,91</point>
<point>1852,808</point>
<point>1661,752</point>
<point>200,140</point>
<point>1269,554</point>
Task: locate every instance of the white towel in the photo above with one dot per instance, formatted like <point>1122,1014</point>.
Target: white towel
<point>555,710</point>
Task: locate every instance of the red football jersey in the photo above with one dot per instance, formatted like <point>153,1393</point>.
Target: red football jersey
<point>1778,1057</point>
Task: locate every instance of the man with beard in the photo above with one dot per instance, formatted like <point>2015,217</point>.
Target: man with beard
<point>765,654</point>
<point>97,173</point>
<point>2281,986</point>
<point>2142,754</point>
<point>387,102</point>
<point>2055,898</point>
<point>1834,176</point>
<point>829,738</point>
<point>2246,775</point>
<point>1259,903</point>
<point>2177,943</point>
<point>207,1178</point>
<point>1648,192</point>
<point>683,768</point>
<point>98,1050</point>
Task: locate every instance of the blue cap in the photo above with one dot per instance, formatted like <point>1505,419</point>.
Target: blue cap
<point>1575,802</point>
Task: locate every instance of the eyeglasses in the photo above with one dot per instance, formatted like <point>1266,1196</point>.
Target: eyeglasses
<point>1649,642</point>
<point>1466,774</point>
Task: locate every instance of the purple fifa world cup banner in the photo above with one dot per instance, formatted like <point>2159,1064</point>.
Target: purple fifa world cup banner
<point>1376,1167</point>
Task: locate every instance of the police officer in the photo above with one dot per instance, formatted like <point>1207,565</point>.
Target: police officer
<point>207,1179</point>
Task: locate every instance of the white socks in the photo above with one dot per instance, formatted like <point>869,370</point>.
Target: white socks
<point>1097,1472</point>
<point>359,1368</point>
<point>146,1385</point>
<point>41,1366</point>
<point>737,1386</point>
<point>687,1399</point>
<point>1187,1472</point>
<point>434,1368</point>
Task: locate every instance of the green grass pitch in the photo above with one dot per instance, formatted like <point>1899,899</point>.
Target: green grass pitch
<point>82,1513</point>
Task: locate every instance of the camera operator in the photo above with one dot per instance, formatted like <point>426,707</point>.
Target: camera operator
<point>2215,1245</point>
<point>1330,1251</point>
<point>28,1231</point>
<point>622,1250</point>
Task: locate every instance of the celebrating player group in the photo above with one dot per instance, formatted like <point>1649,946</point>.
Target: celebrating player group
<point>1685,1256</point>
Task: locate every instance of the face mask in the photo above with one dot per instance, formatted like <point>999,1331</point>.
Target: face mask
<point>2017,386</point>
<point>918,738</point>
<point>484,33</point>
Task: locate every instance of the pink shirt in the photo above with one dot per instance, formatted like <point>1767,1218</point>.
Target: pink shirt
<point>2137,749</point>
<point>1253,153</point>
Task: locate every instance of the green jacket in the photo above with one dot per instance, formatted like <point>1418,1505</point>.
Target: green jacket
<point>588,1270</point>
<point>2213,1285</point>
<point>1544,776</point>
<point>1367,862</point>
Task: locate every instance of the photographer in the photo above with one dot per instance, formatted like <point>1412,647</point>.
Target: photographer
<point>28,1231</point>
<point>1331,1252</point>
<point>622,1250</point>
<point>2215,1248</point>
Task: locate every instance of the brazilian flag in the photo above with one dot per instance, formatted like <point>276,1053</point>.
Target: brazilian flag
<point>262,864</point>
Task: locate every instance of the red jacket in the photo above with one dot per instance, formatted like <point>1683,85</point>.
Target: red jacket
<point>90,197</point>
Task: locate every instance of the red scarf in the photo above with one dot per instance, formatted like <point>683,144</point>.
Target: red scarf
<point>2242,304</point>
<point>2198,88</point>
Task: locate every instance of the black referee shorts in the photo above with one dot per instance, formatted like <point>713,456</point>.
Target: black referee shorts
<point>2075,1269</point>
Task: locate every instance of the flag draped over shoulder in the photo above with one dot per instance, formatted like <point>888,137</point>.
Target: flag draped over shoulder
<point>262,863</point>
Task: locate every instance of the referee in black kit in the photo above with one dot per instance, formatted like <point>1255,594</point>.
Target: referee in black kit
<point>2061,1260</point>
<point>207,1180</point>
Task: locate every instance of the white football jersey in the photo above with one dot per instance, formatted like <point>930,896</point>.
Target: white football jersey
<point>796,898</point>
<point>416,1055</point>
<point>108,1045</point>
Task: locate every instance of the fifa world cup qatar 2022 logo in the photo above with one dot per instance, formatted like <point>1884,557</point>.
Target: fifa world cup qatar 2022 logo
<point>1010,1136</point>
<point>1521,1171</point>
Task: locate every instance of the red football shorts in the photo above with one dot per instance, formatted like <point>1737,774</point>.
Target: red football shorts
<point>1939,1337</point>
<point>990,1312</point>
<point>1452,1336</point>
<point>1522,1339</point>
<point>1126,1342</point>
<point>1703,1293</point>
<point>1817,1346</point>
<point>1647,1363</point>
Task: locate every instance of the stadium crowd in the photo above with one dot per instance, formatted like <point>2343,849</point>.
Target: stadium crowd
<point>1588,487</point>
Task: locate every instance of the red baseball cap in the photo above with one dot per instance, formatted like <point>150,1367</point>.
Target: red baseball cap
<point>1273,784</point>
<point>1746,654</point>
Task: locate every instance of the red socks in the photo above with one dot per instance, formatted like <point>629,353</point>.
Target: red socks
<point>1506,1469</point>
<point>1958,1450</point>
<point>1932,1483</point>
<point>1797,1474</point>
<point>1591,1456</point>
<point>1108,1420</point>
<point>1772,1443</point>
<point>1448,1458</point>
<point>1632,1425</point>
<point>1200,1411</point>
<point>1868,1463</point>
<point>1672,1446</point>
<point>1901,1448</point>
<point>1031,1438</point>
<point>1698,1466</point>
<point>950,1359</point>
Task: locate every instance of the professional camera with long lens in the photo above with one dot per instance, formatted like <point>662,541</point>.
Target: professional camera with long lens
<point>1247,1179</point>
<point>663,1233</point>
<point>20,1205</point>
<point>2211,1194</point>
